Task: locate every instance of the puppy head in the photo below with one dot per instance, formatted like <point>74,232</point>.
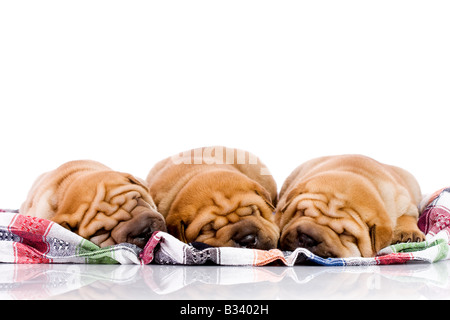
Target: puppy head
<point>108,208</point>
<point>224,209</point>
<point>335,215</point>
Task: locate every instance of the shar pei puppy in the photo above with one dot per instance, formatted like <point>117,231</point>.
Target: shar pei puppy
<point>348,206</point>
<point>219,196</point>
<point>101,205</point>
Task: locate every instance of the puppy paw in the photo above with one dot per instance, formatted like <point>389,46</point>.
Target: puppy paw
<point>408,236</point>
<point>407,230</point>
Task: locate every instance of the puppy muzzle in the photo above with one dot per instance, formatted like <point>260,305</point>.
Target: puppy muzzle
<point>139,229</point>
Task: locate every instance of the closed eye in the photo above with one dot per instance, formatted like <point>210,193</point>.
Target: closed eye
<point>67,226</point>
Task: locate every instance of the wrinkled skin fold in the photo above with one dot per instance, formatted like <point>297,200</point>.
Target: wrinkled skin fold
<point>104,206</point>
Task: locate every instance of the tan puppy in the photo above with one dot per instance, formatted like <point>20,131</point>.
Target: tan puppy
<point>101,205</point>
<point>218,196</point>
<point>349,205</point>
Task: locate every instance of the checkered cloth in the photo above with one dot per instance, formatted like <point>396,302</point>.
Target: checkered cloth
<point>26,239</point>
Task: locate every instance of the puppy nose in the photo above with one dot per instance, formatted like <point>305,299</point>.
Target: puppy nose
<point>152,224</point>
<point>247,241</point>
<point>306,241</point>
<point>141,237</point>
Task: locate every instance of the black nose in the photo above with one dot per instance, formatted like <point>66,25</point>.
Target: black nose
<point>306,241</point>
<point>247,241</point>
<point>141,238</point>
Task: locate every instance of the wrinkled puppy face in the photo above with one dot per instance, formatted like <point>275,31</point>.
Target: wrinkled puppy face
<point>224,209</point>
<point>334,216</point>
<point>110,208</point>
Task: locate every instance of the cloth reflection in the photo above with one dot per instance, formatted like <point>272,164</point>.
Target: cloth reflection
<point>52,281</point>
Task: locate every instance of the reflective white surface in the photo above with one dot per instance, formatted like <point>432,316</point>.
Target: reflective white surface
<point>409,281</point>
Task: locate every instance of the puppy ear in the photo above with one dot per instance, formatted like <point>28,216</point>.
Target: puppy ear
<point>178,230</point>
<point>135,180</point>
<point>260,191</point>
<point>380,236</point>
<point>183,231</point>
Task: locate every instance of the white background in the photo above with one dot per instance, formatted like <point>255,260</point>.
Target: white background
<point>128,83</point>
